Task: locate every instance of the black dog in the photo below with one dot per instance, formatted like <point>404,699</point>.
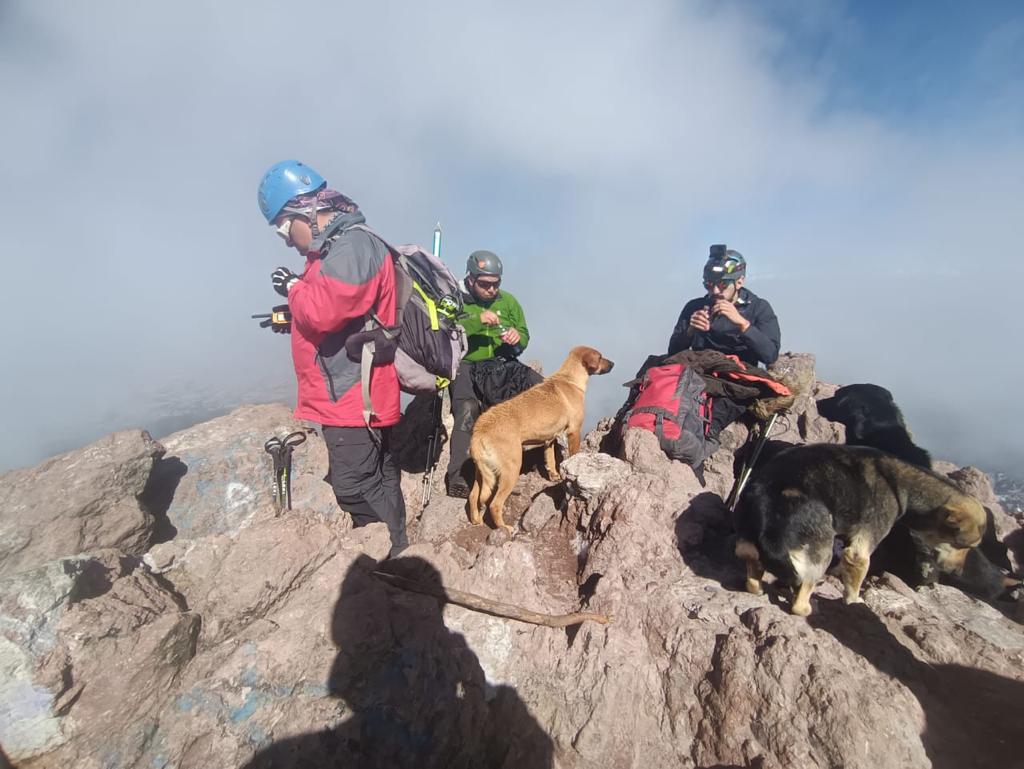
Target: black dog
<point>872,418</point>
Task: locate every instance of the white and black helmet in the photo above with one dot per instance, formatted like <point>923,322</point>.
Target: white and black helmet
<point>724,266</point>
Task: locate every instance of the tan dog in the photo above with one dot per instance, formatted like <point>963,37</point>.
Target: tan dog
<point>535,417</point>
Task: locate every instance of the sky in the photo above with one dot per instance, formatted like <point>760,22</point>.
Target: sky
<point>866,157</point>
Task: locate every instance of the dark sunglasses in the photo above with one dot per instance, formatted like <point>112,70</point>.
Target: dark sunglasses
<point>487,285</point>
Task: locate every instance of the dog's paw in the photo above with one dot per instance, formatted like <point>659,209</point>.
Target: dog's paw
<point>849,599</point>
<point>801,609</point>
<point>754,587</point>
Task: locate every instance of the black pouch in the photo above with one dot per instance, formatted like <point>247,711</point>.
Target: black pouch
<point>385,343</point>
<point>499,379</point>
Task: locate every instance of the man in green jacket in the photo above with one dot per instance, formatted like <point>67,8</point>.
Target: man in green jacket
<point>495,328</point>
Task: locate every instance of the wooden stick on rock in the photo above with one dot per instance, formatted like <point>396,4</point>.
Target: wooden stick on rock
<point>487,606</point>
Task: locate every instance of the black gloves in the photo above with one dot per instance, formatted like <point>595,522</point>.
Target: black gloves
<point>283,278</point>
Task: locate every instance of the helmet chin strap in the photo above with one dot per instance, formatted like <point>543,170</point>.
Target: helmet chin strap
<point>314,226</point>
<point>314,219</point>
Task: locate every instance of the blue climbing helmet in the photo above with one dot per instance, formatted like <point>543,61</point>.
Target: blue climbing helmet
<point>282,182</point>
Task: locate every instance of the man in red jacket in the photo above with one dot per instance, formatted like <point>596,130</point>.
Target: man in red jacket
<point>348,274</point>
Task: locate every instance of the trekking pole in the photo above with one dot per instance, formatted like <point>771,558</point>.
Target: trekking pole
<point>435,435</point>
<point>281,450</point>
<point>273,447</point>
<point>748,465</point>
<point>432,441</point>
<point>290,442</point>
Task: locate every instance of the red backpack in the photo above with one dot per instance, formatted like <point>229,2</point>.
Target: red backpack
<point>673,404</point>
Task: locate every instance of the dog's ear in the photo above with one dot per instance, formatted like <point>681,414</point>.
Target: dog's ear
<point>965,518</point>
<point>953,516</point>
<point>591,360</point>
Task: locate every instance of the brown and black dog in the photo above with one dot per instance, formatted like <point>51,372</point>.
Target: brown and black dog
<point>805,497</point>
<point>535,417</point>
<point>871,418</point>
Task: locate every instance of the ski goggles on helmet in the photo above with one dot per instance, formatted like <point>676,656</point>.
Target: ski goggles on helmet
<point>723,266</point>
<point>721,274</point>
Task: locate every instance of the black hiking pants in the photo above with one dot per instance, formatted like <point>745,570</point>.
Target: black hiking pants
<point>465,410</point>
<point>724,411</point>
<point>366,479</point>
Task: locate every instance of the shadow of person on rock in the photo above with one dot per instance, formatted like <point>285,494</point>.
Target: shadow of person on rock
<point>972,716</point>
<point>414,693</point>
<point>705,534</point>
<point>707,542</point>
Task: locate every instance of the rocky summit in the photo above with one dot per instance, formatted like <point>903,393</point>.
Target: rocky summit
<point>158,611</point>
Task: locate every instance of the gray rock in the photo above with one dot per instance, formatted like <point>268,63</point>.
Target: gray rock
<point>539,513</point>
<point>273,638</point>
<point>718,470</point>
<point>90,645</point>
<point>83,500</point>
<point>216,476</point>
<point>812,426</point>
<point>31,604</point>
<point>442,518</point>
<point>586,475</point>
<point>592,441</point>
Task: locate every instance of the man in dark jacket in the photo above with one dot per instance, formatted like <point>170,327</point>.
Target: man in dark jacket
<point>348,274</point>
<point>729,319</point>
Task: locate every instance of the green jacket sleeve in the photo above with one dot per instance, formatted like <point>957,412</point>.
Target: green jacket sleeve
<point>516,319</point>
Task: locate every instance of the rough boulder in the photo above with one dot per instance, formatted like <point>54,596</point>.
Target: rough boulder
<point>221,633</point>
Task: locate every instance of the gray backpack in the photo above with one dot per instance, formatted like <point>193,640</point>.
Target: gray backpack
<point>426,343</point>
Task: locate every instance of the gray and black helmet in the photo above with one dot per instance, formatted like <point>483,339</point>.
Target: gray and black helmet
<point>483,263</point>
<point>724,266</point>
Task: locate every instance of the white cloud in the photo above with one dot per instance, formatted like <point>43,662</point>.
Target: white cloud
<point>598,151</point>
